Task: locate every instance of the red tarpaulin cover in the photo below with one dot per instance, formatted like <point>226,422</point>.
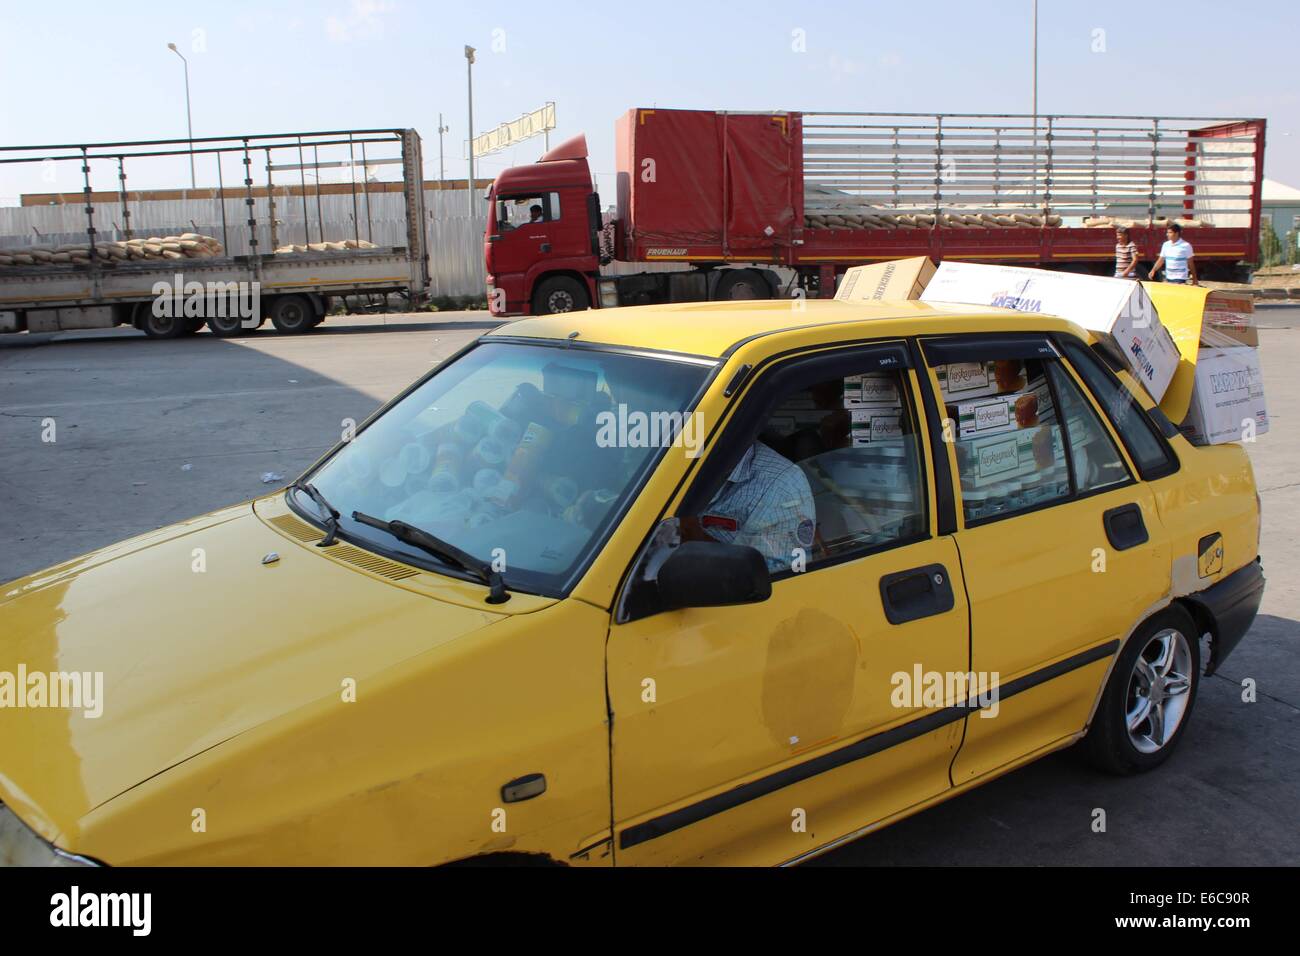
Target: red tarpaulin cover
<point>691,178</point>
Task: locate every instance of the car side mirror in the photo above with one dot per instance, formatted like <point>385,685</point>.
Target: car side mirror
<point>712,574</point>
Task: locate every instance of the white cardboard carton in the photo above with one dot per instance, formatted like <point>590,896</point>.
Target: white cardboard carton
<point>1118,310</point>
<point>1227,397</point>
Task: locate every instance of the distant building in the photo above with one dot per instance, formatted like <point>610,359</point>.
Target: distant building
<point>1280,207</point>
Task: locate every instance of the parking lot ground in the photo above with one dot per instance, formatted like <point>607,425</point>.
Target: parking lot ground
<point>148,433</point>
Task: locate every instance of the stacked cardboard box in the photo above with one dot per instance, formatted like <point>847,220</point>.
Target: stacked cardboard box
<point>1216,334</point>
<point>897,279</point>
<point>1118,311</point>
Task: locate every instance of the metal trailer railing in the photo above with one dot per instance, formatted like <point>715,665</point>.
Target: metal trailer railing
<point>1060,165</point>
<point>267,148</point>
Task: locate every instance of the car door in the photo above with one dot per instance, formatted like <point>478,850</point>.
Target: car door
<point>1061,547</point>
<point>757,733</point>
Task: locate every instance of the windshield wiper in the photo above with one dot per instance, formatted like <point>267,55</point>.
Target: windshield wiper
<point>444,551</point>
<point>332,516</point>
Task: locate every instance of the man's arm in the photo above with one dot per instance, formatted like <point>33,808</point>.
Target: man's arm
<point>1160,261</point>
<point>1191,269</point>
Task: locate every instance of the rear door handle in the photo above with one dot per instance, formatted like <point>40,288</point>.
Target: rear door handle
<point>1124,527</point>
<point>916,593</point>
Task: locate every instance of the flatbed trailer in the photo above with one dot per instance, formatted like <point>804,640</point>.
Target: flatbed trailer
<point>292,285</point>
<point>728,193</point>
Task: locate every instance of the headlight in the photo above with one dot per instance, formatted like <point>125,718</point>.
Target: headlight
<point>19,846</point>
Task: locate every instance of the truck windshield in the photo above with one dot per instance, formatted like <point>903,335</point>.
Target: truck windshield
<point>521,455</point>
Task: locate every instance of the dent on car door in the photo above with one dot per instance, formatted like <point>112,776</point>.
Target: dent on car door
<point>1061,547</point>
<point>759,732</point>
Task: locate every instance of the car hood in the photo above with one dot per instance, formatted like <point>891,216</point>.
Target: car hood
<point>190,639</point>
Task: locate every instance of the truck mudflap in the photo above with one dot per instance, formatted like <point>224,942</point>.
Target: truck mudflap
<point>1231,606</point>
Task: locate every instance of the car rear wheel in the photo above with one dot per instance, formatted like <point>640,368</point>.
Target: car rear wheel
<point>1149,697</point>
<point>559,294</point>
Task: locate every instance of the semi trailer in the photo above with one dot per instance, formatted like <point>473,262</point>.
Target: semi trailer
<point>757,205</point>
<point>171,285</point>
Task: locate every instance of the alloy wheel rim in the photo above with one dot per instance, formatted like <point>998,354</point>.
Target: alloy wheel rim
<point>560,302</point>
<point>1159,691</point>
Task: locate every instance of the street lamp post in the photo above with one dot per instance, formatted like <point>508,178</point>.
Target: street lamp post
<point>189,123</point>
<point>469,74</point>
<point>1034,98</point>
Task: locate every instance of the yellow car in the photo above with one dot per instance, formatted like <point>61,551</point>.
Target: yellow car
<point>708,583</point>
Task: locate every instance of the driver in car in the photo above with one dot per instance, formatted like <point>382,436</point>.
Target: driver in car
<point>765,503</point>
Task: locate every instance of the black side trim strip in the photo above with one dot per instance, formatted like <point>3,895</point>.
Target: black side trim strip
<point>945,502</point>
<point>660,826</point>
<point>1022,684</point>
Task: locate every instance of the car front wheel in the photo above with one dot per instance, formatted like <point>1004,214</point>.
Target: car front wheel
<point>1149,697</point>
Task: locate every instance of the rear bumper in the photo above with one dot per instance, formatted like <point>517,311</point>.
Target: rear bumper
<point>1232,605</point>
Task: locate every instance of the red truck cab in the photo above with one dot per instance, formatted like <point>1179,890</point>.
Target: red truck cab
<point>544,219</point>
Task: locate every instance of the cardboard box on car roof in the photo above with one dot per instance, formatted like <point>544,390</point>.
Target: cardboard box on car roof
<point>896,279</point>
<point>1118,311</point>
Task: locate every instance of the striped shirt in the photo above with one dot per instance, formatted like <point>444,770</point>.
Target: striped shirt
<point>1126,254</point>
<point>766,503</point>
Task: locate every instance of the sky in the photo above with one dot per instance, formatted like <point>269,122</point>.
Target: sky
<point>81,71</point>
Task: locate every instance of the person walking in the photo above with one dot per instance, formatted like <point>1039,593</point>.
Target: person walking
<point>1126,255</point>
<point>1177,257</point>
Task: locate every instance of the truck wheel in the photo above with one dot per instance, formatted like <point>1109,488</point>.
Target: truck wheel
<point>158,326</point>
<point>741,284</point>
<point>1149,697</point>
<point>227,326</point>
<point>292,314</point>
<point>559,294</point>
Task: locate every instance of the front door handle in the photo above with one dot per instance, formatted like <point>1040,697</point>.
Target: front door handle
<point>1124,527</point>
<point>916,593</point>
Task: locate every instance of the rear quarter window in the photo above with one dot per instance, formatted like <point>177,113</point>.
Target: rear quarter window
<point>1142,438</point>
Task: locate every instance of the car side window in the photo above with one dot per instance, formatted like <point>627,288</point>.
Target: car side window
<point>1148,449</point>
<point>1008,437</point>
<point>1095,462</point>
<point>831,469</point>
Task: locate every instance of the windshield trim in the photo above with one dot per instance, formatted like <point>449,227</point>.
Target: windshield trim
<point>689,358</point>
<point>596,546</point>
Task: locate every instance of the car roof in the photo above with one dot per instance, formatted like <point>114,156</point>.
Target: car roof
<point>715,329</point>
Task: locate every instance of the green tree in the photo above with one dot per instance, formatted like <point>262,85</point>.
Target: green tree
<point>1292,240</point>
<point>1270,249</point>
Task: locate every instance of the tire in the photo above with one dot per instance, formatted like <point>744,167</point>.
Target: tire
<point>227,327</point>
<point>292,314</point>
<point>1121,740</point>
<point>741,284</point>
<point>560,294</point>
<point>159,326</point>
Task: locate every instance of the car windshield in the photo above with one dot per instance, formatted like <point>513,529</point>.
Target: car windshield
<point>519,455</point>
